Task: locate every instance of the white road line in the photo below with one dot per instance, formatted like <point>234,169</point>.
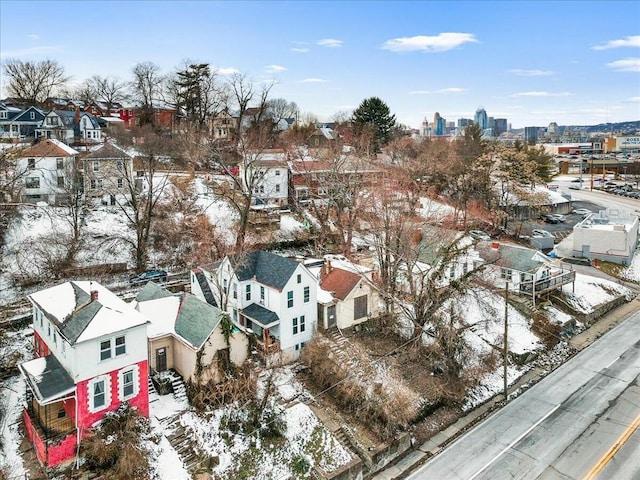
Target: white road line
<point>614,361</point>
<point>550,412</point>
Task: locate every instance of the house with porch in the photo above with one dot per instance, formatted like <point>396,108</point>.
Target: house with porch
<point>347,296</point>
<point>18,124</point>
<point>189,335</point>
<point>267,295</point>
<point>525,270</point>
<point>90,350</point>
<point>70,127</point>
<point>48,168</point>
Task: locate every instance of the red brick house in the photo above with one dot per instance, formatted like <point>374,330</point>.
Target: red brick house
<point>90,356</point>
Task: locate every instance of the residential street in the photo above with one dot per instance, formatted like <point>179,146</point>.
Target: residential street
<point>563,427</point>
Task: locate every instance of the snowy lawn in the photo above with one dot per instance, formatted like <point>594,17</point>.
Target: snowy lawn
<point>12,393</point>
<point>632,272</point>
<point>590,292</point>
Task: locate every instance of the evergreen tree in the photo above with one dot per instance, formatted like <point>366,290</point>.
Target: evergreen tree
<point>373,118</point>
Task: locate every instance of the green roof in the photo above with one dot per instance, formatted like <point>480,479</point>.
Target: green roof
<point>196,320</point>
<point>152,291</point>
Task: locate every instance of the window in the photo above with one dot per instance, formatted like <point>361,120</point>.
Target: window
<point>235,290</point>
<point>41,317</point>
<point>61,182</point>
<point>99,183</point>
<point>359,307</point>
<point>299,278</point>
<point>55,339</point>
<point>290,299</point>
<point>98,394</point>
<point>235,315</point>
<point>464,268</point>
<point>302,326</point>
<point>121,346</point>
<point>48,329</point>
<point>96,165</point>
<point>105,350</point>
<point>127,384</point>
<point>3,115</point>
<point>248,293</point>
<point>224,286</point>
<point>93,185</point>
<point>295,325</point>
<point>33,115</point>
<point>120,183</point>
<point>307,294</point>
<point>278,188</point>
<point>452,271</point>
<point>59,164</point>
<point>277,172</point>
<point>261,294</point>
<point>32,182</point>
<point>119,165</point>
<point>505,273</point>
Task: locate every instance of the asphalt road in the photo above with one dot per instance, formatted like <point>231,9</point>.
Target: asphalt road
<point>562,428</point>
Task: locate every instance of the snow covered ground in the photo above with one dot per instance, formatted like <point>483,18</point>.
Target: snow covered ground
<point>590,292</point>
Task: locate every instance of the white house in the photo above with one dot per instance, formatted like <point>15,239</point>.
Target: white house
<point>346,293</point>
<point>48,169</point>
<point>611,235</point>
<point>90,351</point>
<point>273,297</point>
<point>267,175</point>
<point>70,126</point>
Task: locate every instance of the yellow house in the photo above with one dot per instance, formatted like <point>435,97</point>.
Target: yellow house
<point>189,335</point>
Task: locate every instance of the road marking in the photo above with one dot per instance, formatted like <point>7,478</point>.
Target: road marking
<point>508,447</point>
<point>614,361</point>
<point>597,468</point>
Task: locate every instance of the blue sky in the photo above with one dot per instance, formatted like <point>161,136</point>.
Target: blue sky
<point>530,62</point>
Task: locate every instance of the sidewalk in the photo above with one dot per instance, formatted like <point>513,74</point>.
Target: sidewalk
<point>431,447</point>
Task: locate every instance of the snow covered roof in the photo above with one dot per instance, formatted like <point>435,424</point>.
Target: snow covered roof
<point>79,317</point>
<point>182,315</point>
<point>49,147</point>
<point>47,378</point>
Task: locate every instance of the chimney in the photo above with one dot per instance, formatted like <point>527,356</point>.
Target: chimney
<point>77,119</point>
<point>495,245</point>
<point>94,295</point>
<point>327,267</point>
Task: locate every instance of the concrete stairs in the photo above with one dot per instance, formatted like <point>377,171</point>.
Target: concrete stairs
<point>179,389</point>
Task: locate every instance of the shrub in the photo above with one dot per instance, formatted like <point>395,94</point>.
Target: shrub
<point>547,331</point>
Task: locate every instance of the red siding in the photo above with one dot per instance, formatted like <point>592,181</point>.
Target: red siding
<point>86,418</point>
<point>40,348</point>
<point>62,451</point>
<point>41,451</point>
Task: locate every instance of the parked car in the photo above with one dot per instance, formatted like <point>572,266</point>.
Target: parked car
<point>536,232</point>
<point>581,211</point>
<point>149,275</point>
<point>561,218</point>
<point>549,218</point>
<point>574,187</point>
<point>479,235</point>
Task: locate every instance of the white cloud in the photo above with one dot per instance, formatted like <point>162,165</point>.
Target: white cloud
<point>633,100</point>
<point>33,36</point>
<point>541,94</point>
<point>274,68</point>
<point>313,80</point>
<point>330,42</point>
<point>438,43</point>
<point>441,91</point>
<point>626,65</point>
<point>299,50</point>
<point>228,70</point>
<point>23,52</point>
<point>630,41</point>
<point>531,73</point>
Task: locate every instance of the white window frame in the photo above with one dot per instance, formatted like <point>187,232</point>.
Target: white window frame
<point>135,382</point>
<point>122,347</point>
<point>105,357</point>
<point>106,393</point>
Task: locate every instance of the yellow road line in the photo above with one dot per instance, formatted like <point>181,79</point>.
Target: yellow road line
<point>597,468</point>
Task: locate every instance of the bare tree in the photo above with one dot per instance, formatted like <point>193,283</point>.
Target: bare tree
<point>33,82</point>
<point>110,90</point>
<point>83,92</point>
<point>146,88</point>
<point>11,175</point>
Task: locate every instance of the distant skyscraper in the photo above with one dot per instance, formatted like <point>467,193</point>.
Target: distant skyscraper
<point>464,122</point>
<point>480,118</point>
<point>438,124</point>
<point>531,134</point>
<point>500,126</point>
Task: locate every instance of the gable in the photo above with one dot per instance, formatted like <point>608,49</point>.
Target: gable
<point>339,282</point>
<point>49,148</point>
<point>196,320</point>
<point>26,115</point>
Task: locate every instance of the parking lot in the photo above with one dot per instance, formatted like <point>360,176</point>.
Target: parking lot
<point>562,229</point>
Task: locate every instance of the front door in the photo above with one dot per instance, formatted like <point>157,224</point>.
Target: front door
<point>161,359</point>
<point>331,316</point>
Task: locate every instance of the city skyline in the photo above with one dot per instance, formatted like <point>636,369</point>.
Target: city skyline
<point>552,61</point>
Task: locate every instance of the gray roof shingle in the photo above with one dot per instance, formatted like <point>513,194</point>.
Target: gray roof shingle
<point>267,268</point>
<point>196,320</point>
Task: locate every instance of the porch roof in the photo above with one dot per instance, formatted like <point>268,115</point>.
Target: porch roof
<point>47,379</point>
<point>264,317</point>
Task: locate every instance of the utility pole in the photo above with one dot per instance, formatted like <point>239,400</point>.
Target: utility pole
<point>506,346</point>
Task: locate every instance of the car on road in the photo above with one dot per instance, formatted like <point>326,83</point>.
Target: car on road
<point>549,218</point>
<point>581,211</point>
<point>159,275</point>
<point>536,232</point>
<point>561,218</point>
<point>479,235</point>
<point>574,187</point>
